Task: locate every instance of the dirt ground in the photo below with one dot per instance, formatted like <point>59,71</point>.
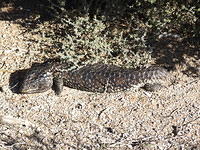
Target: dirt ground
<point>166,119</point>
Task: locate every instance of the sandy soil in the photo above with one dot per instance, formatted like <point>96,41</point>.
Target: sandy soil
<point>167,119</point>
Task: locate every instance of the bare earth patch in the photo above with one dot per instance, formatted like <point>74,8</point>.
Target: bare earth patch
<point>167,119</point>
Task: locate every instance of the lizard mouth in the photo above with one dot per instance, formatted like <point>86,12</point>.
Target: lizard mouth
<point>30,90</point>
<point>26,90</point>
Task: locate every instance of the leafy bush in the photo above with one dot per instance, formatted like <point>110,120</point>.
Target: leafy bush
<point>118,31</point>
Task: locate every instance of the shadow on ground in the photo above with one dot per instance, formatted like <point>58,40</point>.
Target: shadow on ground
<point>16,79</point>
<point>170,51</point>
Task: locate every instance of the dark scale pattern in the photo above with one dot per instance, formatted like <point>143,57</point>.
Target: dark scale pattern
<point>92,78</point>
<point>110,78</point>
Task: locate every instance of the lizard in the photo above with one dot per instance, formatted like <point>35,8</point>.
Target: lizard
<point>96,77</point>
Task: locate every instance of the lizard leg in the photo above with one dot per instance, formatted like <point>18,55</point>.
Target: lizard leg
<point>153,87</point>
<point>58,84</point>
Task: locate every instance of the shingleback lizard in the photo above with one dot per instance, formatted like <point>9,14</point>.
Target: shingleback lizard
<point>93,78</point>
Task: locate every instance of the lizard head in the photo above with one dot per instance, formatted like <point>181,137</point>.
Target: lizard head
<point>37,80</point>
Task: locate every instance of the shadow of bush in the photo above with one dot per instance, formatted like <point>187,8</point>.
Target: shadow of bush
<point>167,51</point>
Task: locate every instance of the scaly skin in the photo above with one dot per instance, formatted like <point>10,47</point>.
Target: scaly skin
<point>92,78</point>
